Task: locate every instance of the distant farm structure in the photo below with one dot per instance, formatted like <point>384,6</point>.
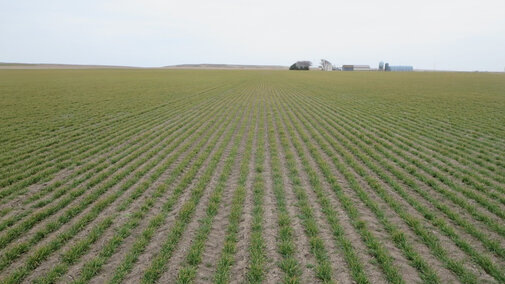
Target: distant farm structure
<point>396,68</point>
<point>356,68</point>
<point>382,67</point>
<point>326,65</point>
<point>401,68</point>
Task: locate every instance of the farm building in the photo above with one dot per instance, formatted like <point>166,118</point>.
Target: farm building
<point>401,68</point>
<point>355,67</point>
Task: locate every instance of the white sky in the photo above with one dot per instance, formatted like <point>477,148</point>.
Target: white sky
<point>445,35</point>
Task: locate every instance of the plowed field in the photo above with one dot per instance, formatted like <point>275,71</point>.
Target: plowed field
<point>208,176</point>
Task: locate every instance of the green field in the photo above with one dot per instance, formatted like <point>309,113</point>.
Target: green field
<point>217,176</point>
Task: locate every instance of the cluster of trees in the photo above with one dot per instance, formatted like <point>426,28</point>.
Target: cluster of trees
<point>305,65</point>
<point>300,65</point>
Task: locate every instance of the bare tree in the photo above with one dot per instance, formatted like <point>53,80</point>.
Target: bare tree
<point>326,65</point>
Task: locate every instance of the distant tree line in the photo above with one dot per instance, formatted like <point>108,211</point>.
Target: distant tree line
<point>300,65</point>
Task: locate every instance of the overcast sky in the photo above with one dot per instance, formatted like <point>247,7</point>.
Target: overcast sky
<point>428,34</point>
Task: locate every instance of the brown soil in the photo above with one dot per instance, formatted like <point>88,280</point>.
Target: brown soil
<point>263,98</point>
<point>184,245</point>
<point>217,235</point>
<point>158,239</point>
<point>238,271</point>
<point>270,229</point>
<point>128,242</point>
<point>303,250</point>
<point>374,273</point>
<point>109,210</point>
<point>460,255</point>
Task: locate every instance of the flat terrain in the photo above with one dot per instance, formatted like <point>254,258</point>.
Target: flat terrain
<point>228,66</point>
<point>143,176</point>
<point>57,66</point>
<point>181,66</point>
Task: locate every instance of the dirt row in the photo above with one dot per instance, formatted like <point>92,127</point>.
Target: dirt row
<point>301,118</point>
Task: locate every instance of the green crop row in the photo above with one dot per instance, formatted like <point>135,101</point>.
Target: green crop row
<point>487,265</point>
<point>90,269</point>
